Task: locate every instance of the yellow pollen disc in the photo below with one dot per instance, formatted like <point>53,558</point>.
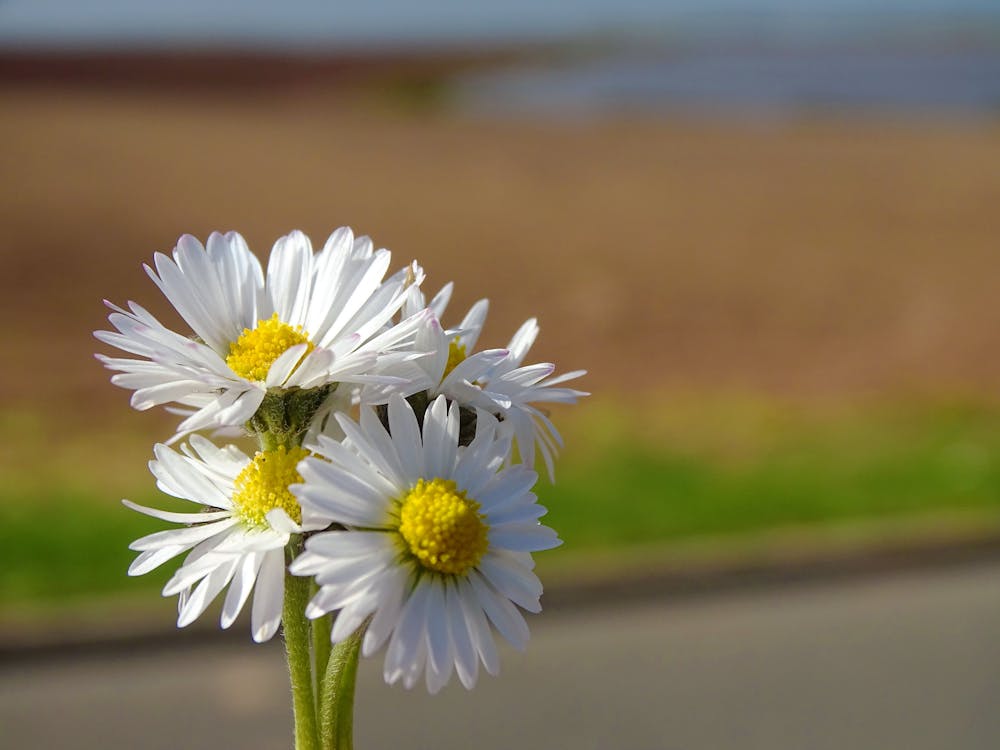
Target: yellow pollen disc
<point>262,486</point>
<point>253,353</point>
<point>442,528</point>
<point>456,355</point>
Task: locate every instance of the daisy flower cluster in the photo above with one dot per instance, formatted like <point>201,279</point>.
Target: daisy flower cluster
<point>388,498</point>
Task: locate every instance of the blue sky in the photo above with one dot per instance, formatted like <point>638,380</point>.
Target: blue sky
<point>306,22</point>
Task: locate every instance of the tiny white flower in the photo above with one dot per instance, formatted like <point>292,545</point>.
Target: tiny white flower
<point>437,542</point>
<point>515,388</point>
<point>495,380</point>
<point>315,319</point>
<point>445,364</point>
<point>467,333</point>
<point>237,538</point>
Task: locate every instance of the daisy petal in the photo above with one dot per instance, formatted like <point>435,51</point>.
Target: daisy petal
<point>268,596</point>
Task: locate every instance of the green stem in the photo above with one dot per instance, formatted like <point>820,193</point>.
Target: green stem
<point>336,706</point>
<point>297,642</point>
<point>321,652</point>
<point>270,441</point>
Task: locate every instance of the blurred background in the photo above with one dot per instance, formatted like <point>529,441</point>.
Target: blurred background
<point>770,230</point>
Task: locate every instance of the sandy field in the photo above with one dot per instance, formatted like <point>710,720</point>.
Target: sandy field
<point>806,259</point>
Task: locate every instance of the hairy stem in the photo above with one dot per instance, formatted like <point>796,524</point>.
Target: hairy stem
<point>321,655</point>
<point>337,698</point>
<point>297,648</point>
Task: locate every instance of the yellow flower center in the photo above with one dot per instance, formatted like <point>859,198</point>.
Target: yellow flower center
<point>262,486</point>
<point>253,353</point>
<point>456,355</point>
<point>443,528</point>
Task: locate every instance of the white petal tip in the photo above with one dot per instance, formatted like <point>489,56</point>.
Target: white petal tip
<point>265,634</point>
<point>313,612</point>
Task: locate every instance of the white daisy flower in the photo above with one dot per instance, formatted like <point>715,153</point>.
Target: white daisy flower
<point>437,545</point>
<point>315,319</point>
<point>445,367</point>
<point>515,388</point>
<point>467,333</point>
<point>495,380</point>
<point>237,538</point>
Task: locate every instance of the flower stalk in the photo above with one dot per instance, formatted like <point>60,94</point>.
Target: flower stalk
<point>323,677</point>
<point>298,653</point>
<point>321,651</point>
<point>336,700</point>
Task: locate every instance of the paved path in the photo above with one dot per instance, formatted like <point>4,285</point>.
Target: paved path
<point>904,661</point>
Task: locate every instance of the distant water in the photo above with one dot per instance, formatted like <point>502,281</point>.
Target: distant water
<point>318,24</point>
<point>761,82</point>
<point>757,57</point>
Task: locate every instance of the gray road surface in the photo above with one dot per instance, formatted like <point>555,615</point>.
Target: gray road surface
<point>904,661</point>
